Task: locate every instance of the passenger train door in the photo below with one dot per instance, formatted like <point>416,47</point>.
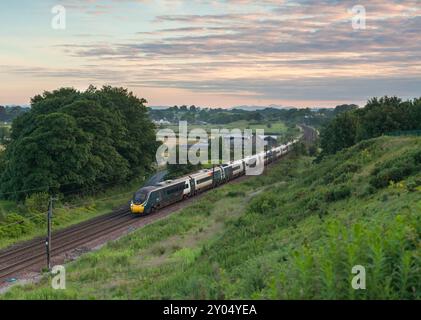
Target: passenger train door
<point>187,188</point>
<point>192,186</point>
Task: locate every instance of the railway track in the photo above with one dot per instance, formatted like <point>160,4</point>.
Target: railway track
<point>32,253</point>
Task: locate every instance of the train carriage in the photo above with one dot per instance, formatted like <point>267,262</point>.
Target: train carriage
<point>278,152</point>
<point>238,168</point>
<point>204,180</point>
<point>151,198</point>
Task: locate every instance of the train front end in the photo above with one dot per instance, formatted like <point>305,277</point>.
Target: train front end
<point>139,201</point>
<point>137,208</point>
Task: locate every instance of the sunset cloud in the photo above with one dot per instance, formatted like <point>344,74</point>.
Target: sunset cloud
<point>220,53</point>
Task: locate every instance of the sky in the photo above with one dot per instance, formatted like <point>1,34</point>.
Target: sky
<point>214,53</point>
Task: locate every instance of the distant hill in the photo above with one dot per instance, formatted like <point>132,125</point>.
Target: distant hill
<point>242,107</point>
<point>256,108</point>
<point>159,107</point>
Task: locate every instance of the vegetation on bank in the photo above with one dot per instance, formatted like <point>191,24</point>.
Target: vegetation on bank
<point>24,221</point>
<point>378,117</point>
<point>295,232</point>
<point>73,142</point>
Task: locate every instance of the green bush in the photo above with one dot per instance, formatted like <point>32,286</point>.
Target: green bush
<point>263,204</point>
<point>412,184</point>
<point>348,168</point>
<point>366,191</point>
<point>323,270</point>
<point>395,174</point>
<point>337,193</point>
<point>15,226</point>
<point>235,194</point>
<point>37,202</point>
<point>396,170</point>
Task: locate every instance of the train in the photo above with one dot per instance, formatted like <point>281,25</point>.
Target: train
<point>150,199</point>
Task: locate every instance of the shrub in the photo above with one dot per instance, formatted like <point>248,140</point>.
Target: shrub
<point>234,194</point>
<point>365,191</point>
<point>263,204</point>
<point>413,184</point>
<point>348,168</point>
<point>365,144</point>
<point>15,226</point>
<point>37,202</point>
<point>388,252</point>
<point>396,170</point>
<point>338,193</point>
<point>395,174</point>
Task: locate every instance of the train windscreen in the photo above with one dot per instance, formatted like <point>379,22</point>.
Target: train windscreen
<point>140,197</point>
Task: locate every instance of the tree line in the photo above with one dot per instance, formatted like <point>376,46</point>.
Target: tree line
<point>71,141</point>
<point>379,116</point>
<point>8,113</point>
<point>291,116</point>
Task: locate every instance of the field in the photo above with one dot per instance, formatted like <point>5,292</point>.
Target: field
<point>295,232</point>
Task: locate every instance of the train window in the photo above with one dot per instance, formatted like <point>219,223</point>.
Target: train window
<point>204,180</point>
<point>140,196</point>
<point>176,189</point>
<point>186,186</point>
<point>236,168</point>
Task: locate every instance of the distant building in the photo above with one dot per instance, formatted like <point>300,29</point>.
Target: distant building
<point>272,141</point>
<point>161,122</point>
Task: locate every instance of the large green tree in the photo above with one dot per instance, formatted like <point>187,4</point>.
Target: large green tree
<point>73,141</point>
<point>378,117</point>
<point>339,133</point>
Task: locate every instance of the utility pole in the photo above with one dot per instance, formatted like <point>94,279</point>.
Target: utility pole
<point>48,239</point>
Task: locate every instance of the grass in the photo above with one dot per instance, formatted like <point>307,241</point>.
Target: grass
<point>281,235</point>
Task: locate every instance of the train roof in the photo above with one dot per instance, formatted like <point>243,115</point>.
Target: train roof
<point>210,171</point>
<point>161,185</point>
<point>201,173</point>
<point>147,189</point>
